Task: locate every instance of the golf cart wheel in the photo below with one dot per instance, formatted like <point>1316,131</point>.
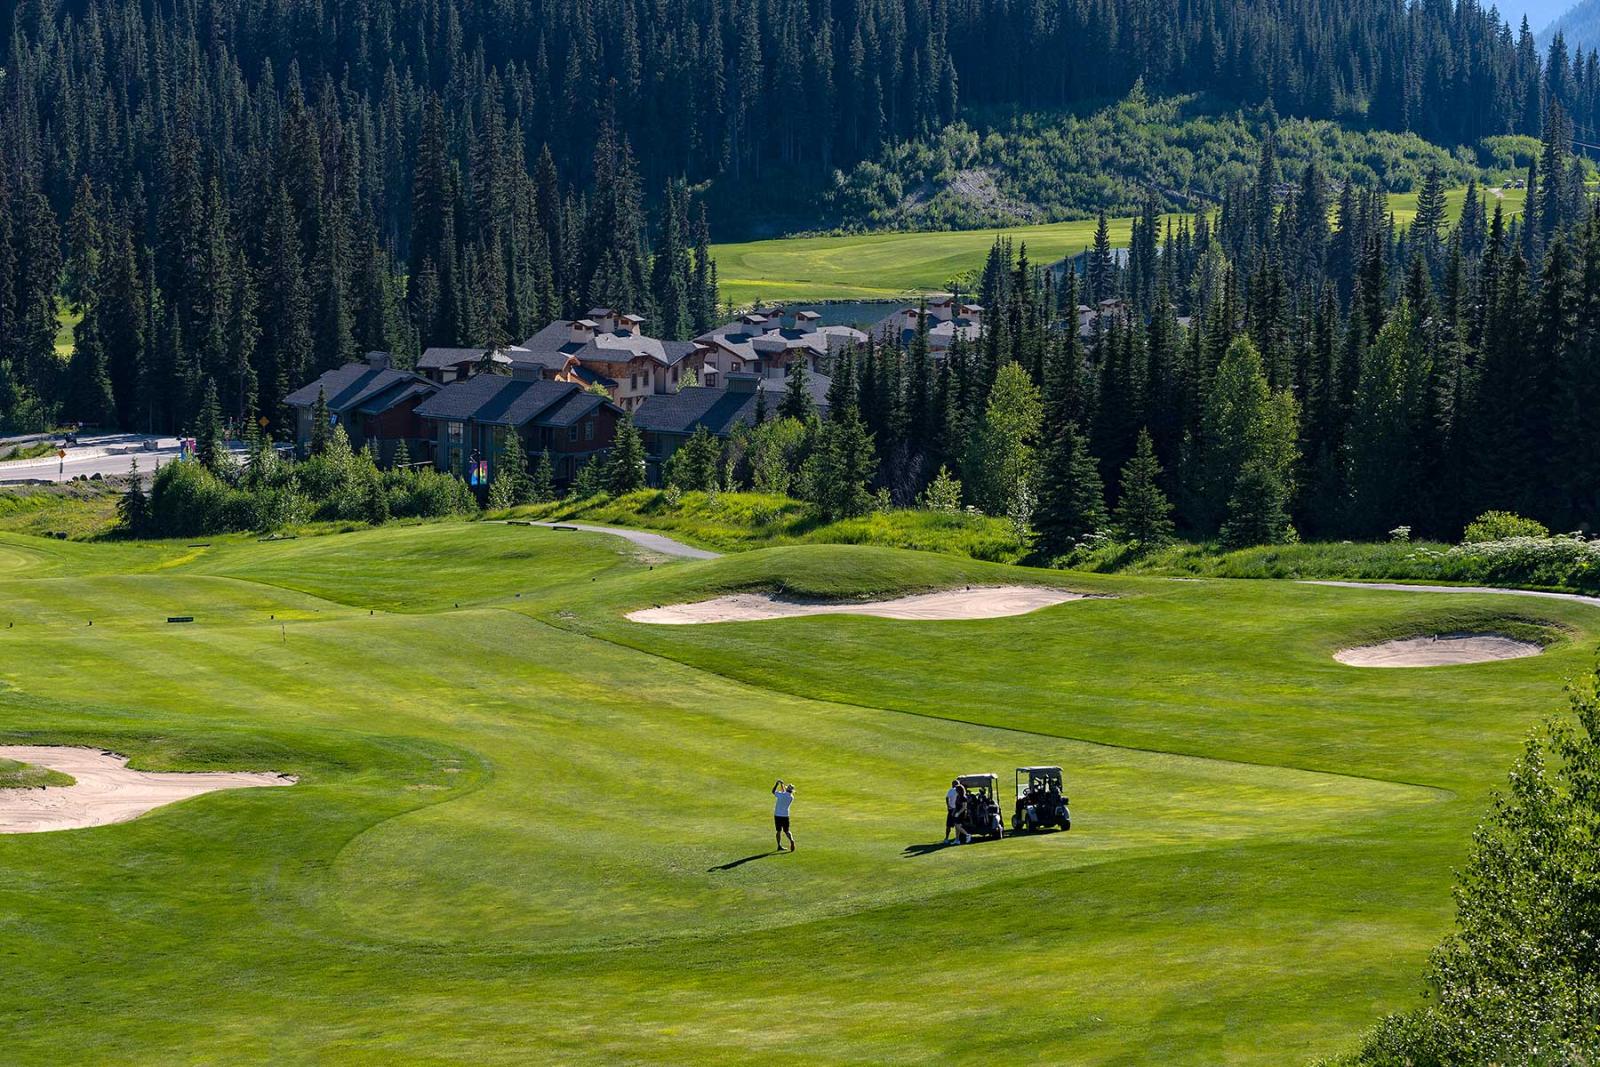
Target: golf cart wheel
<point>1066,824</point>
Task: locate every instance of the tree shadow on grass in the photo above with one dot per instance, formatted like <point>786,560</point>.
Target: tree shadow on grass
<point>731,864</point>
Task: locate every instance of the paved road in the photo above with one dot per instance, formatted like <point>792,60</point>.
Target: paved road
<point>653,541</point>
<point>102,454</point>
<point>1401,587</point>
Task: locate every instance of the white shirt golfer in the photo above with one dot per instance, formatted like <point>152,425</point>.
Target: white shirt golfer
<point>782,801</point>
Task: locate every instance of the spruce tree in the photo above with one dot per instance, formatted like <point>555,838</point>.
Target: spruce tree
<point>209,442</point>
<point>797,402</point>
<point>624,470</point>
<point>133,510</point>
<point>1071,503</point>
<point>541,479</point>
<point>321,424</point>
<point>1144,515</point>
<point>843,467</point>
<point>511,466</point>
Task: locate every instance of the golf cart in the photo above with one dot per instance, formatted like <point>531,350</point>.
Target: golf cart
<point>1040,802</point>
<point>980,815</point>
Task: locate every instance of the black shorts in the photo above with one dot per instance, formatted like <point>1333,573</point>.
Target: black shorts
<point>781,822</point>
<point>949,818</point>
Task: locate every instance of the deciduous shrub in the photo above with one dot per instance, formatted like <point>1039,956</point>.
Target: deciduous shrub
<point>1501,525</point>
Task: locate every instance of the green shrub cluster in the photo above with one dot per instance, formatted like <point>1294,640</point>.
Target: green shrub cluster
<point>189,499</point>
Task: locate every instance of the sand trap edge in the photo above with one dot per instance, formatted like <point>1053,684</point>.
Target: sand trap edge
<point>107,791</point>
<point>971,603</point>
<point>1439,650</point>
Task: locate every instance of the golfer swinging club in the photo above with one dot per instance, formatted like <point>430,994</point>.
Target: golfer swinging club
<point>783,800</point>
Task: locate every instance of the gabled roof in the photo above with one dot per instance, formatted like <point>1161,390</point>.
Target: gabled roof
<point>618,347</point>
<point>438,358</point>
<point>574,407</point>
<point>717,409</point>
<point>695,406</point>
<point>500,401</point>
<point>358,385</point>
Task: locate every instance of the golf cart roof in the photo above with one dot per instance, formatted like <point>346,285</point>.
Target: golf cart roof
<point>1031,770</point>
<point>978,779</point>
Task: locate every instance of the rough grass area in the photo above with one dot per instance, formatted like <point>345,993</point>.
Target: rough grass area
<point>80,510</point>
<point>15,775</point>
<point>732,522</point>
<point>32,450</point>
<point>1558,564</point>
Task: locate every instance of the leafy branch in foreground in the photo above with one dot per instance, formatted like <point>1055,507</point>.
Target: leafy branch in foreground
<point>1519,981</point>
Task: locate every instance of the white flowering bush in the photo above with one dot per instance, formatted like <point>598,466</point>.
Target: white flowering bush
<point>1567,560</point>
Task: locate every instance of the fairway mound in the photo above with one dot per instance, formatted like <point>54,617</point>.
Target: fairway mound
<point>106,790</point>
<point>1444,650</point>
<point>979,602</point>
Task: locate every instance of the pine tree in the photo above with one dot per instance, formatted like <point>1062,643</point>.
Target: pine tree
<point>624,470</point>
<point>210,446</point>
<point>133,509</point>
<point>797,402</point>
<point>321,424</point>
<point>1071,503</point>
<point>1144,515</point>
<point>693,467</point>
<point>511,466</point>
<point>843,466</point>
<point>1258,510</point>
<point>541,479</point>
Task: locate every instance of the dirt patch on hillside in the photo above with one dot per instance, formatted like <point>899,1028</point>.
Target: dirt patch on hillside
<point>106,790</point>
<point>973,602</point>
<point>1444,650</point>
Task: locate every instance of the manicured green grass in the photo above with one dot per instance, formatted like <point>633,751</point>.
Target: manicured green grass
<point>893,265</point>
<point>528,830</point>
<point>17,775</point>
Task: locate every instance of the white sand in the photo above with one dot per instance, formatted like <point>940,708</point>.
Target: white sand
<point>982,602</point>
<point>106,791</point>
<point>1443,651</point>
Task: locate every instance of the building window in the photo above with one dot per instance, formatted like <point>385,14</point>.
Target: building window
<point>588,429</point>
<point>456,431</point>
<point>674,373</point>
<point>633,381</point>
<point>572,433</point>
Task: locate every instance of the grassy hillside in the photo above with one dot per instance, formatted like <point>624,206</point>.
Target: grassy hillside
<point>890,265</point>
<point>1184,151</point>
<point>527,829</point>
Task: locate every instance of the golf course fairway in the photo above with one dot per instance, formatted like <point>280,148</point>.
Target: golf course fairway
<point>526,829</point>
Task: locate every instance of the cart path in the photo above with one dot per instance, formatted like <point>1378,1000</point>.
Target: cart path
<point>643,538</point>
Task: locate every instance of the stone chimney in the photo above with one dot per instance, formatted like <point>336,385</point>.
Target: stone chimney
<point>806,321</point>
<point>580,331</point>
<point>743,382</point>
<point>381,360</point>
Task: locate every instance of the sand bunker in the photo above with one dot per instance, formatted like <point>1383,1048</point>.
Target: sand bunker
<point>1445,650</point>
<point>982,602</point>
<point>106,790</point>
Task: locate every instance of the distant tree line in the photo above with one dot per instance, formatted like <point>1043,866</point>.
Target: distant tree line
<point>1290,364</point>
